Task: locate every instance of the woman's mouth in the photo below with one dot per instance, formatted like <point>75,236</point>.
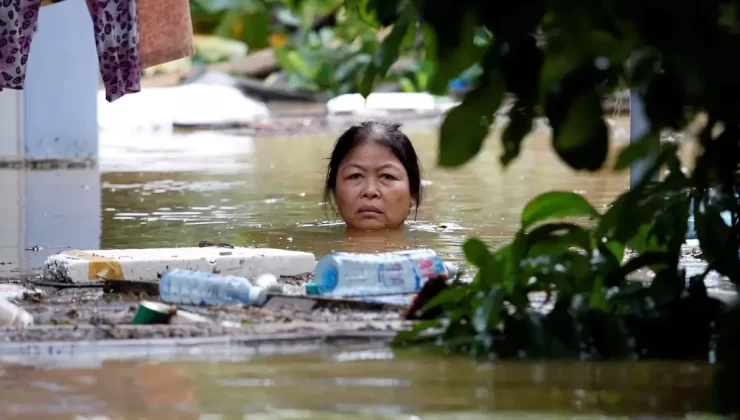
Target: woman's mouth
<point>369,210</point>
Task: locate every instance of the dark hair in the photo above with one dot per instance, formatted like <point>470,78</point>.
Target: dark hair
<point>387,134</point>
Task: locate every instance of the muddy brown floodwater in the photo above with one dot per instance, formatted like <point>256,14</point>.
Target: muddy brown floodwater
<point>164,190</point>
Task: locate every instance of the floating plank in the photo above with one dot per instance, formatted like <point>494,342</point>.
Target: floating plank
<point>147,265</point>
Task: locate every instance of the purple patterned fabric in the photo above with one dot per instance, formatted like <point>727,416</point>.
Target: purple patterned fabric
<point>17,24</point>
<point>116,38</point>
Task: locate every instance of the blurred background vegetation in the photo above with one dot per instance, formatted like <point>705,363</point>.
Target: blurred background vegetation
<point>302,45</point>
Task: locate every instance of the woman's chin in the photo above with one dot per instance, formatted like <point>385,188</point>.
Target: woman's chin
<point>371,225</point>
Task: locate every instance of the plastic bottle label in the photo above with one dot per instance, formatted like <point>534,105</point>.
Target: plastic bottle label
<point>391,275</point>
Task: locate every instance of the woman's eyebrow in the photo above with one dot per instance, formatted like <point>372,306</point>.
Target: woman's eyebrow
<point>387,165</point>
<point>352,165</point>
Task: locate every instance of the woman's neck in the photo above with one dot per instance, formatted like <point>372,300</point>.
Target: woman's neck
<point>374,240</point>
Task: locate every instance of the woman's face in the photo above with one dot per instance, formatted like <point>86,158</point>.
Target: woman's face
<point>372,190</point>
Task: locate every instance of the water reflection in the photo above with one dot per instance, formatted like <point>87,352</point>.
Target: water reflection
<point>45,211</point>
<point>322,385</point>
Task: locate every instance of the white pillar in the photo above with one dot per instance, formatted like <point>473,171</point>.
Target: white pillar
<point>54,118</point>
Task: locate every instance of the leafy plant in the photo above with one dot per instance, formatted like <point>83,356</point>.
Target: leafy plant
<point>323,62</point>
<point>243,20</point>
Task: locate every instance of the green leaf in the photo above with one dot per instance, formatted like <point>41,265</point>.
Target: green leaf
<point>509,19</point>
<point>637,150</point>
<point>645,240</point>
<point>664,101</point>
<point>652,259</point>
<point>717,241</point>
<point>554,68</point>
<point>214,6</point>
<point>407,85</point>
<point>256,25</point>
<point>520,124</point>
<point>385,10</point>
<point>598,296</point>
<point>450,40</point>
<point>573,109</point>
<point>476,252</point>
<point>667,285</point>
<point>466,126</point>
<point>461,136</point>
<point>385,56</point>
<point>290,59</point>
<point>616,248</point>
<point>448,298</point>
<point>521,66</point>
<point>407,337</point>
<point>368,80</point>
<point>389,49</point>
<point>487,314</point>
<point>556,238</point>
<point>582,140</point>
<point>212,49</point>
<point>556,204</point>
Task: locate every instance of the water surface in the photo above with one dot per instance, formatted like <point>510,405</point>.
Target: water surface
<point>354,383</point>
<point>268,192</point>
<point>168,191</point>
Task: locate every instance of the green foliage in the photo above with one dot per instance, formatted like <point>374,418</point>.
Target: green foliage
<point>593,311</point>
<point>242,20</point>
<point>323,62</point>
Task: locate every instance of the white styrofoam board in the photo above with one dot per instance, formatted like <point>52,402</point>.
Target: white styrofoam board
<point>354,103</point>
<point>145,265</point>
<point>189,104</point>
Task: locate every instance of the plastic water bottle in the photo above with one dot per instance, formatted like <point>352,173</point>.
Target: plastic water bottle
<point>351,274</point>
<point>201,288</point>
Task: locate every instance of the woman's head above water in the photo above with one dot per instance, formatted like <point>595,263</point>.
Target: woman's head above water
<point>374,177</point>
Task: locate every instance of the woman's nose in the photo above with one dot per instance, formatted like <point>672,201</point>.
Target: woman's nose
<point>370,190</point>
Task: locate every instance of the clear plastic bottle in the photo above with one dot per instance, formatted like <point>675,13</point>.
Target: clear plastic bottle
<point>352,274</point>
<point>201,288</point>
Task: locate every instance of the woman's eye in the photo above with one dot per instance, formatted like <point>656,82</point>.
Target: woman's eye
<point>388,177</point>
<point>354,176</point>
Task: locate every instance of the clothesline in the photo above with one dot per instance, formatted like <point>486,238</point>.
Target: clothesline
<point>130,35</point>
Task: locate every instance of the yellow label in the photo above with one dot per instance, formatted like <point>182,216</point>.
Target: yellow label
<point>100,268</point>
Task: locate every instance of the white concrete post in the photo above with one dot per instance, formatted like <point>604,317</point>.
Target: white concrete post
<point>54,118</point>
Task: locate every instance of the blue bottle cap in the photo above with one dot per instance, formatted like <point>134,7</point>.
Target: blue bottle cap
<point>312,289</point>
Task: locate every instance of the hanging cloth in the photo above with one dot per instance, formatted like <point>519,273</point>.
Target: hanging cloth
<point>116,39</point>
<point>17,23</point>
<point>165,31</point>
